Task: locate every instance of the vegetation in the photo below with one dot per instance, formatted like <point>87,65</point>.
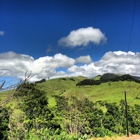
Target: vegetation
<point>4,119</point>
<point>58,110</point>
<point>108,77</point>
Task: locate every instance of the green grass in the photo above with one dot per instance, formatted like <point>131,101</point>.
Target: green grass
<point>112,92</point>
<point>4,94</point>
<point>12,102</point>
<point>59,86</point>
<point>51,101</point>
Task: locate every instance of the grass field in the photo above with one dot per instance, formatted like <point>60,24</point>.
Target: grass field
<point>110,92</point>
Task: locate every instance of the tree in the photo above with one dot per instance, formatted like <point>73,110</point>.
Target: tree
<point>4,111</point>
<point>13,88</point>
<point>35,106</point>
<point>4,119</point>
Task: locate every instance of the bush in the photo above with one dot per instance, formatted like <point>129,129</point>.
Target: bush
<point>88,82</point>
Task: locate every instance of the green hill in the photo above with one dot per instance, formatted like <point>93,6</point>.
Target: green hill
<point>59,85</point>
<point>30,108</point>
<point>108,91</point>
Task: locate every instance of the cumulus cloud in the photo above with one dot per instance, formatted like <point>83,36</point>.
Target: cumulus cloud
<point>1,33</point>
<point>57,61</point>
<point>119,58</point>
<point>13,64</point>
<point>86,70</point>
<point>43,67</point>
<point>82,37</point>
<point>120,62</point>
<point>112,62</point>
<point>84,59</point>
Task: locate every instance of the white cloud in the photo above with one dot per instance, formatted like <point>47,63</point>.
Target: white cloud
<point>18,64</point>
<point>82,37</point>
<point>111,62</point>
<point>13,64</point>
<point>86,70</point>
<point>120,62</point>
<point>84,59</point>
<point>1,33</point>
<point>118,58</point>
<point>57,61</point>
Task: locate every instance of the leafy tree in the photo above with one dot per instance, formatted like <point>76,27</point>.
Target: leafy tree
<point>107,77</point>
<point>4,119</point>
<point>88,82</point>
<point>35,106</point>
<point>16,126</point>
<point>73,115</point>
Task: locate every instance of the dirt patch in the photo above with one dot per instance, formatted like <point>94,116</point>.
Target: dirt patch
<point>131,137</point>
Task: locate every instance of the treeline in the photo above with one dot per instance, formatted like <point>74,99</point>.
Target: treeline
<point>113,77</point>
<point>88,82</point>
<point>73,118</point>
<point>108,78</point>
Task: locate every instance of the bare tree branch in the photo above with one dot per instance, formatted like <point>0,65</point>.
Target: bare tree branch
<point>28,76</point>
<point>2,85</point>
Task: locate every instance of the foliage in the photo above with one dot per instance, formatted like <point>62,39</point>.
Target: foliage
<point>99,119</point>
<point>89,82</point>
<point>16,126</point>
<point>35,107</point>
<point>72,117</point>
<point>112,77</point>
<point>108,77</point>
<point>4,118</point>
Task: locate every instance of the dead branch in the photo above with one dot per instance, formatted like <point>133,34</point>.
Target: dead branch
<point>28,76</point>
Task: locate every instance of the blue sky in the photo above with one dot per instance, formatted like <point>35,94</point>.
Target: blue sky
<point>85,33</point>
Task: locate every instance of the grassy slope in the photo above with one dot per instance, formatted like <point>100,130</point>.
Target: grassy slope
<point>4,94</point>
<point>67,87</point>
<point>59,86</point>
<point>113,93</point>
<point>110,93</point>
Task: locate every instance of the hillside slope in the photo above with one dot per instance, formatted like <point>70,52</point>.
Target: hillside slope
<point>108,91</point>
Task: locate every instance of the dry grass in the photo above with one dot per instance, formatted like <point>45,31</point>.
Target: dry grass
<point>131,137</point>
